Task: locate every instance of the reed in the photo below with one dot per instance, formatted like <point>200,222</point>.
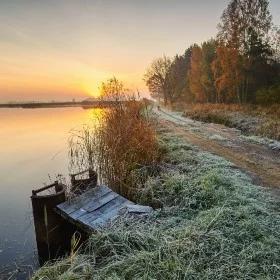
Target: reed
<point>122,141</point>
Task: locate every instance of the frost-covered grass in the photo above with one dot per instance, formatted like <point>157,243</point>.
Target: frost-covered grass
<point>272,144</point>
<point>250,119</point>
<point>214,224</point>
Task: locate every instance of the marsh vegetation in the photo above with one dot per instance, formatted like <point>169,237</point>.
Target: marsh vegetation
<point>213,224</point>
<point>122,141</point>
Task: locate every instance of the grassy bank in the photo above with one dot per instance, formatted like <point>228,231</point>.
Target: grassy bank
<point>214,224</point>
<point>251,120</point>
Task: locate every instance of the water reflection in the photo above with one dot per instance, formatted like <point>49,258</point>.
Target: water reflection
<point>33,150</point>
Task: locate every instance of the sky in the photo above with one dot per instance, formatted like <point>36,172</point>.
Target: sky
<point>64,49</point>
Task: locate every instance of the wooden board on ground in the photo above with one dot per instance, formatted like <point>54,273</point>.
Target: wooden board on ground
<point>97,207</point>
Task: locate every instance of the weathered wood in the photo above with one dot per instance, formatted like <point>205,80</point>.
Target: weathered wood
<point>74,204</point>
<point>46,221</point>
<point>108,208</point>
<point>83,184</point>
<point>97,207</point>
<point>100,211</point>
<point>108,217</point>
<point>97,203</point>
<point>93,205</point>
<point>55,184</point>
<point>139,209</point>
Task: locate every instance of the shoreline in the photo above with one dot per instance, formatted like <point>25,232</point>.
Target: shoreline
<point>83,104</point>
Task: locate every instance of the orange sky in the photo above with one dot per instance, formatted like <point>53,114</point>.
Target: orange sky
<point>64,49</point>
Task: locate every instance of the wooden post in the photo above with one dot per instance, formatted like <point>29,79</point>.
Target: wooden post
<point>50,235</point>
<point>81,185</point>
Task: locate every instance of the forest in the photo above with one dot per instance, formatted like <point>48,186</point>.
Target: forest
<point>241,64</point>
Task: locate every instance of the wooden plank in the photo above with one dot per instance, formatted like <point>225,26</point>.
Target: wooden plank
<point>76,202</point>
<point>81,211</point>
<point>70,206</point>
<point>115,211</point>
<point>100,212</point>
<point>108,217</point>
<point>85,219</point>
<point>93,205</point>
<point>110,207</point>
<point>97,224</point>
<point>99,202</point>
<point>139,209</point>
<point>97,207</point>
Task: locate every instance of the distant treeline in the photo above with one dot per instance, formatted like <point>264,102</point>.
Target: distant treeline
<point>241,65</point>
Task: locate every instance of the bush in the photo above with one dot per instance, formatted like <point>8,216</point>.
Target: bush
<point>270,95</point>
<point>250,119</point>
<point>123,141</point>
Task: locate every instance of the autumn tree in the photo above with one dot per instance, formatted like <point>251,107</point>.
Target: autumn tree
<point>176,76</point>
<point>195,75</point>
<point>113,89</point>
<point>207,78</point>
<point>180,65</point>
<point>245,23</point>
<point>244,28</point>
<point>157,80</point>
<point>244,59</point>
<point>200,75</point>
<point>228,74</point>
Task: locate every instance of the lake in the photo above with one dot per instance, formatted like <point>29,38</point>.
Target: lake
<point>33,151</point>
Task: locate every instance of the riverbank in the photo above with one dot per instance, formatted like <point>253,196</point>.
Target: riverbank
<point>214,224</point>
<point>251,120</point>
<point>84,104</point>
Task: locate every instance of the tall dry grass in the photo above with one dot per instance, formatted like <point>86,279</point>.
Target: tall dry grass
<point>251,119</point>
<point>123,141</point>
<point>270,110</point>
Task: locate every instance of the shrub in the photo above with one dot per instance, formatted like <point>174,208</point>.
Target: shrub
<point>123,140</point>
<point>270,95</point>
<point>250,119</point>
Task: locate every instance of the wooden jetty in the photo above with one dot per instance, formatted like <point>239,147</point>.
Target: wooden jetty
<point>93,208</point>
<point>97,208</point>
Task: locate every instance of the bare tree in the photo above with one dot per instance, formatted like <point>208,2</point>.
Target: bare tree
<point>156,78</point>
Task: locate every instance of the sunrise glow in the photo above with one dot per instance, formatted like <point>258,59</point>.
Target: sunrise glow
<point>61,50</point>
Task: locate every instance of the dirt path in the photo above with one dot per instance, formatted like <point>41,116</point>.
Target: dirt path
<point>259,161</point>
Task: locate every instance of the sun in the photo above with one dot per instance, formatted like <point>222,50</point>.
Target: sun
<point>90,89</point>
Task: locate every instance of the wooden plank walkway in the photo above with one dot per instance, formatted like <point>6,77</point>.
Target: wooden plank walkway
<point>97,207</point>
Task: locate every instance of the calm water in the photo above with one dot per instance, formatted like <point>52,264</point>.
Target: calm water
<point>33,150</point>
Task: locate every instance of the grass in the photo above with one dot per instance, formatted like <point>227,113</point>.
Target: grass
<point>250,119</point>
<point>213,224</point>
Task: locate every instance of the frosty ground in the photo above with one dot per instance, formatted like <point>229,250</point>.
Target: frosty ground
<point>215,223</point>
